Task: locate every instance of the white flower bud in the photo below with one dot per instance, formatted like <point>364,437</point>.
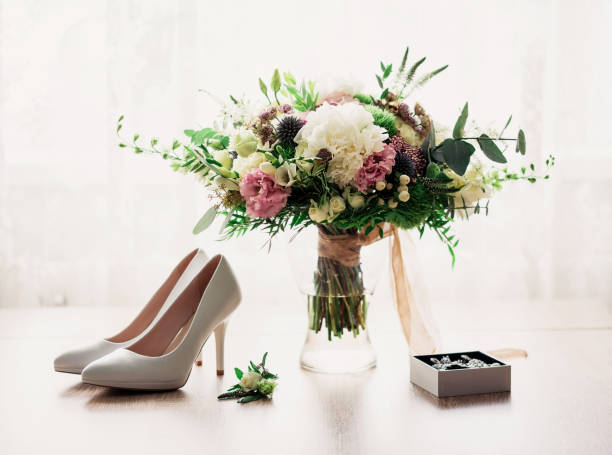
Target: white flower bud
<point>336,205</point>
<point>318,214</point>
<point>223,157</point>
<point>244,142</point>
<point>356,201</point>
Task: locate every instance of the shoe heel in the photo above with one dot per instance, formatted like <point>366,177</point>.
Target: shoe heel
<point>220,345</point>
<point>198,360</point>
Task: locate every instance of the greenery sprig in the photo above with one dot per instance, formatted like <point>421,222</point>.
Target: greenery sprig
<point>405,81</point>
<point>456,152</point>
<point>257,383</point>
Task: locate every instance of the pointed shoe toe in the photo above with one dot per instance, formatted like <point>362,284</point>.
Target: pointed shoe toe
<point>67,363</point>
<point>75,360</point>
<point>124,369</point>
<point>108,371</point>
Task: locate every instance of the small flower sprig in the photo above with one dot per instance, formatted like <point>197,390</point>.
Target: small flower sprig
<point>255,384</point>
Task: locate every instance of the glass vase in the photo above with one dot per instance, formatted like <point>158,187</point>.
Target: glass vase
<point>337,276</point>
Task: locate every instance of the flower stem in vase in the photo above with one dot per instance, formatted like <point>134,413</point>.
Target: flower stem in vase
<point>339,299</point>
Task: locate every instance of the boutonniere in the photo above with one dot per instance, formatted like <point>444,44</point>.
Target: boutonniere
<point>257,383</point>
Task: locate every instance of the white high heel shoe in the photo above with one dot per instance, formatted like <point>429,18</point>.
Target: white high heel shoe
<point>163,358</point>
<point>75,360</point>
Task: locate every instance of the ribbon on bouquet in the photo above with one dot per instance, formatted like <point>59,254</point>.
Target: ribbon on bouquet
<point>416,320</point>
<point>414,314</point>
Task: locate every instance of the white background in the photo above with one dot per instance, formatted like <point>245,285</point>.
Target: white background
<point>84,220</point>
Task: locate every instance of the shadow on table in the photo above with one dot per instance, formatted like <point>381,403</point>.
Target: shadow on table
<point>463,401</point>
<point>80,389</point>
<point>108,397</point>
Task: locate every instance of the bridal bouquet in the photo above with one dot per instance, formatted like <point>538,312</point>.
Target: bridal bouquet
<point>356,164</point>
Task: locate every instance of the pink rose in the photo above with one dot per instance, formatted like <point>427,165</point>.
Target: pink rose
<point>375,168</point>
<point>264,197</point>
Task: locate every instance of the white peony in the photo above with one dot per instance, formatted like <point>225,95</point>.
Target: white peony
<point>343,166</point>
<point>348,132</point>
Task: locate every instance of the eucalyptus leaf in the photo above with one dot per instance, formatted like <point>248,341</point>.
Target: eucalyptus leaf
<point>521,144</point>
<point>457,154</point>
<point>490,149</point>
<point>460,123</point>
<point>437,155</point>
<point>206,220</point>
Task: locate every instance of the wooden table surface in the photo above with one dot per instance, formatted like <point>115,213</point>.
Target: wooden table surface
<point>561,399</point>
